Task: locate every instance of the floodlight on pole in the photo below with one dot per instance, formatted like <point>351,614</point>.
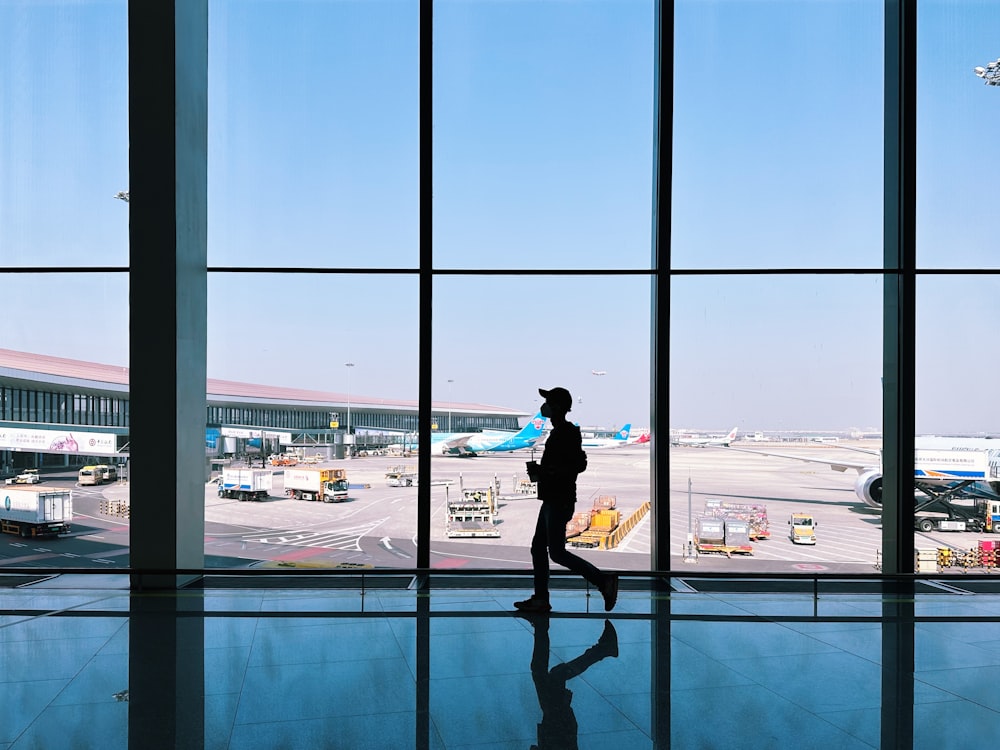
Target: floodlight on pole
<point>450,381</point>
<point>348,365</point>
<point>990,74</point>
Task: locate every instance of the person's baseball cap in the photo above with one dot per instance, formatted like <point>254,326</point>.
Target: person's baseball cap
<point>558,397</point>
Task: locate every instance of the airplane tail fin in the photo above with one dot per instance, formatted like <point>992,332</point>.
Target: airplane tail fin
<point>622,434</point>
<point>732,433</point>
<point>534,427</point>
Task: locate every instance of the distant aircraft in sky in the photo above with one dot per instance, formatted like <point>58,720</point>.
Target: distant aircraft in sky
<point>701,441</point>
<point>598,372</point>
<point>619,439</point>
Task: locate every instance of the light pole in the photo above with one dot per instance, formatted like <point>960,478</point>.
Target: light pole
<point>450,381</point>
<point>990,74</point>
<point>347,437</point>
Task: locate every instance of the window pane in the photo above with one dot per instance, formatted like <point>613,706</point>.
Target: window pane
<point>793,363</point>
<point>957,150</point>
<point>64,118</point>
<point>313,138</point>
<point>564,339</point>
<point>777,158</point>
<point>292,361</point>
<point>64,406</point>
<point>957,459</point>
<point>543,134</point>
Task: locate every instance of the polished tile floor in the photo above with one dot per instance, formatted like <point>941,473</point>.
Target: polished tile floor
<point>87,665</point>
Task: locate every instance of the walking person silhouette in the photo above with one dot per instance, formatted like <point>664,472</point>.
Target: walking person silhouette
<point>562,460</point>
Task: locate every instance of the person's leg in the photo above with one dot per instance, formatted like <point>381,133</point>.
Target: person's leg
<point>556,539</point>
<point>539,601</point>
<point>606,583</point>
<point>540,554</point>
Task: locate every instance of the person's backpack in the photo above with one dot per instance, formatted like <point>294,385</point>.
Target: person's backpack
<point>581,462</point>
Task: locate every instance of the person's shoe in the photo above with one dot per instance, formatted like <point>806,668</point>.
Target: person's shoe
<point>608,642</point>
<point>609,590</point>
<point>533,604</point>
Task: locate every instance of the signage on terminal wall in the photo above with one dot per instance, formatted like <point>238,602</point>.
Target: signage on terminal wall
<point>58,441</point>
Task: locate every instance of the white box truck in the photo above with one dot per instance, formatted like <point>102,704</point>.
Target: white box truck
<point>32,511</point>
<point>245,484</point>
<point>328,485</point>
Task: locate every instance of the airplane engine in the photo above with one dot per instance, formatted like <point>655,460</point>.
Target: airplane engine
<point>869,488</point>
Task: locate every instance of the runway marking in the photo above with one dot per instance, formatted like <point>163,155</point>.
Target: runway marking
<point>341,539</point>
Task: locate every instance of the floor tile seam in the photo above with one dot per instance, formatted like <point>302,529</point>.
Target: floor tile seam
<point>949,691</point>
<point>243,680</point>
<point>324,718</point>
<point>822,716</point>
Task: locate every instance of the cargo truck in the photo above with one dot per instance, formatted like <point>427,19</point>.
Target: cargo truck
<point>32,511</point>
<point>328,485</point>
<point>246,484</point>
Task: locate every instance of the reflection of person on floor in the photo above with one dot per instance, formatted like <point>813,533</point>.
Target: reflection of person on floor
<point>558,728</point>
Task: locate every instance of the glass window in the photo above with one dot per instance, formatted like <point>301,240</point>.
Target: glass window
<point>64,118</point>
<point>543,116</point>
<point>313,137</point>
<point>775,407</point>
<point>330,349</point>
<point>956,147</point>
<point>777,157</point>
<point>578,333</point>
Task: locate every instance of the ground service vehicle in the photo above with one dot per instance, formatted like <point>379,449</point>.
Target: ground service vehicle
<point>401,476</point>
<point>90,475</point>
<point>802,528</point>
<point>328,485</point>
<point>97,474</point>
<point>474,515</point>
<point>245,484</point>
<point>32,511</point>
<point>944,514</point>
<point>27,476</point>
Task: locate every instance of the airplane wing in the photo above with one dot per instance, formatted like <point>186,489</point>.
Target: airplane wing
<point>834,464</point>
<point>457,446</point>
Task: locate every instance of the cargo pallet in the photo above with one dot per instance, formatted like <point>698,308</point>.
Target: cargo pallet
<point>723,549</point>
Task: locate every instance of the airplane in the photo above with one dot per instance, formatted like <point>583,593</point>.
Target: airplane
<point>702,441</point>
<point>945,469</point>
<point>488,441</point>
<point>598,372</point>
<point>620,438</point>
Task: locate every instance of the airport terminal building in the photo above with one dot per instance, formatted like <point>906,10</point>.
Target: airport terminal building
<point>57,412</point>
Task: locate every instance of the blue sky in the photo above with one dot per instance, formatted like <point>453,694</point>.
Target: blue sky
<point>542,143</point>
